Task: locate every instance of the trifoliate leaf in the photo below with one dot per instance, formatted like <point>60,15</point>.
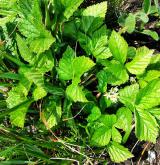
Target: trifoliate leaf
<point>101,137</point>
<point>146,126</point>
<point>118,153</point>
<point>124,119</point>
<point>118,47</point>
<point>140,61</point>
<point>93,17</point>
<point>149,96</point>
<point>128,95</point>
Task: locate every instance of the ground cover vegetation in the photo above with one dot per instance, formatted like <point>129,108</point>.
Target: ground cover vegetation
<point>74,87</point>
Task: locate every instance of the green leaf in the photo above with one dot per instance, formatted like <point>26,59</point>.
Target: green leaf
<point>24,50</point>
<point>118,47</point>
<point>151,75</point>
<point>131,52</point>
<point>40,42</point>
<point>142,16</point>
<point>101,137</point>
<point>128,95</point>
<point>30,25</point>
<point>155,112</point>
<point>116,136</point>
<point>30,10</point>
<point>142,83</point>
<point>76,93</point>
<point>102,81</point>
<point>33,75</point>
<point>146,6</point>
<point>10,75</point>
<point>7,11</point>
<point>65,69</point>
<point>108,120</point>
<point>149,96</point>
<point>44,62</point>
<point>155,59</point>
<point>151,33</point>
<point>99,41</point>
<point>81,65</point>
<point>52,112</point>
<point>140,61</point>
<point>124,119</point>
<point>95,114</point>
<point>54,90</point>
<point>18,117</point>
<point>66,8</point>
<point>93,17</point>
<point>39,93</point>
<point>16,96</point>
<point>71,67</point>
<point>130,23</point>
<point>157,5</point>
<point>96,44</point>
<point>118,153</point>
<point>115,72</point>
<point>70,7</point>
<point>146,126</point>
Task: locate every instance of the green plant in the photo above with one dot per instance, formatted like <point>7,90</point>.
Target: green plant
<point>130,21</point>
<point>60,62</point>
